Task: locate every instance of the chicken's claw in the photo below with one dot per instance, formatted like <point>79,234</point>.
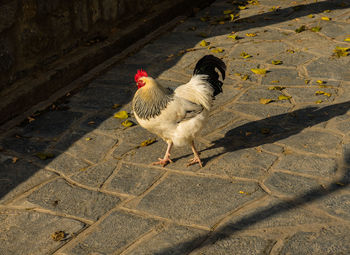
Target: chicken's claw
<point>194,161</point>
<point>162,161</point>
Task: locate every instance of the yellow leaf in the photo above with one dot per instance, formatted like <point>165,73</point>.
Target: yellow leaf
<point>202,34</point>
<point>279,88</point>
<point>241,7</point>
<point>58,236</point>
<point>241,192</point>
<point>88,138</point>
<point>227,11</point>
<point>320,92</point>
<point>276,81</point>
<point>347,39</point>
<point>233,36</point>
<point>318,101</point>
<point>245,55</point>
<point>319,82</point>
<point>127,123</point>
<point>245,77</point>
<point>327,11</point>
<point>290,51</point>
<point>237,74</point>
<point>300,29</point>
<point>248,133</point>
<point>115,106</point>
<point>44,155</point>
<point>30,119</point>
<point>14,160</point>
<point>121,115</point>
<point>91,122</point>
<point>232,16</point>
<point>204,19</point>
<point>284,97</point>
<point>221,22</point>
<point>258,71</point>
<point>204,43</point>
<point>307,82</point>
<point>251,34</point>
<point>326,18</point>
<point>265,131</point>
<point>277,62</point>
<point>265,101</point>
<point>311,16</point>
<point>148,142</point>
<point>217,50</point>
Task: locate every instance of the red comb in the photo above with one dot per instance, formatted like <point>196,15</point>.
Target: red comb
<point>139,74</point>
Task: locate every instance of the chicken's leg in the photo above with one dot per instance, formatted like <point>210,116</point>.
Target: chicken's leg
<point>164,161</point>
<point>196,158</point>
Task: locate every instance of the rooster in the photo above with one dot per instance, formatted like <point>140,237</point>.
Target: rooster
<point>177,116</point>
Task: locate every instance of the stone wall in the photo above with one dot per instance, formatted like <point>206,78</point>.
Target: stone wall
<point>34,33</point>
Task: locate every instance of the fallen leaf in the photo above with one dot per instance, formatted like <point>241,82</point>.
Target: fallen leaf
<point>245,77</point>
<point>202,34</point>
<point>88,138</point>
<point>275,81</point>
<point>14,160</point>
<point>121,115</point>
<point>58,236</point>
<point>326,18</point>
<point>274,8</point>
<point>316,29</point>
<point>241,7</point>
<point>320,82</point>
<point>115,106</point>
<point>327,11</point>
<point>44,155</point>
<point>127,123</point>
<point>290,51</point>
<point>265,100</point>
<point>307,82</point>
<point>284,97</point>
<point>232,17</point>
<point>311,16</point>
<point>347,39</point>
<point>221,22</point>
<point>241,192</point>
<point>340,183</point>
<point>148,142</point>
<point>248,133</point>
<point>245,55</point>
<point>277,62</point>
<point>192,28</point>
<point>258,71</point>
<point>204,19</point>
<point>233,36</point>
<point>217,50</point>
<point>237,74</point>
<point>227,11</point>
<point>91,122</point>
<point>318,101</point>
<point>30,119</point>
<point>300,29</point>
<point>251,34</point>
<point>204,43</point>
<point>320,92</point>
<point>279,88</point>
<point>265,131</point>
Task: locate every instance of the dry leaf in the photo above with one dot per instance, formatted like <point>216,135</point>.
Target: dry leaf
<point>88,138</point>
<point>44,155</point>
<point>233,36</point>
<point>217,50</point>
<point>91,122</point>
<point>30,119</point>
<point>121,115</point>
<point>347,39</point>
<point>245,55</point>
<point>227,11</point>
<point>241,7</point>
<point>276,81</point>
<point>277,62</point>
<point>202,34</point>
<point>265,131</point>
<point>316,29</point>
<point>300,29</point>
<point>290,51</point>
<point>326,18</point>
<point>58,236</point>
<point>248,133</point>
<point>265,101</point>
<point>320,82</point>
<point>307,82</point>
<point>204,43</point>
<point>115,106</point>
<point>127,123</point>
<point>279,88</point>
<point>14,160</point>
<point>251,34</point>
<point>318,101</point>
<point>311,16</point>
<point>284,97</point>
<point>148,142</point>
<point>258,71</point>
<point>245,77</point>
<point>320,92</point>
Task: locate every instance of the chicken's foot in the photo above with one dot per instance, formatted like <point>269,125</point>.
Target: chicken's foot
<point>164,161</point>
<point>196,158</point>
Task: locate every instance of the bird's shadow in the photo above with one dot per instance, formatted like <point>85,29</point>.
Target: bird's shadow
<point>275,128</point>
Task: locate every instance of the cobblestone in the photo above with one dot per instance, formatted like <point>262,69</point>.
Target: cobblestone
<point>275,178</point>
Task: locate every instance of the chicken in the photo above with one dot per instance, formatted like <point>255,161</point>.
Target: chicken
<point>177,116</point>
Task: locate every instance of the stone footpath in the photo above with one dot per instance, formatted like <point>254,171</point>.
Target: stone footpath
<point>276,150</point>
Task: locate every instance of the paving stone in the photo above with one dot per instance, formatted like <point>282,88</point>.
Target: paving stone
<point>117,230</point>
<point>308,95</point>
<point>90,146</point>
<point>23,145</point>
<point>96,175</point>
<point>62,197</point>
<point>272,148</point>
<point>133,180</point>
<point>237,245</point>
<point>313,141</point>
<point>66,164</point>
<point>335,240</point>
<point>17,178</point>
<point>291,59</point>
<point>247,163</point>
<point>51,124</point>
<point>291,185</point>
<point>337,205</point>
<point>323,167</point>
<point>273,213</point>
<point>258,49</point>
<point>18,230</point>
<point>102,122</point>
<point>335,29</point>
<point>239,66</point>
<point>329,68</point>
<point>218,120</point>
<point>259,110</point>
<point>200,198</point>
<point>173,240</point>
<point>284,76</point>
<point>254,94</point>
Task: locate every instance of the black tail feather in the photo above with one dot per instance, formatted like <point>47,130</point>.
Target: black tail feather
<point>206,65</point>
